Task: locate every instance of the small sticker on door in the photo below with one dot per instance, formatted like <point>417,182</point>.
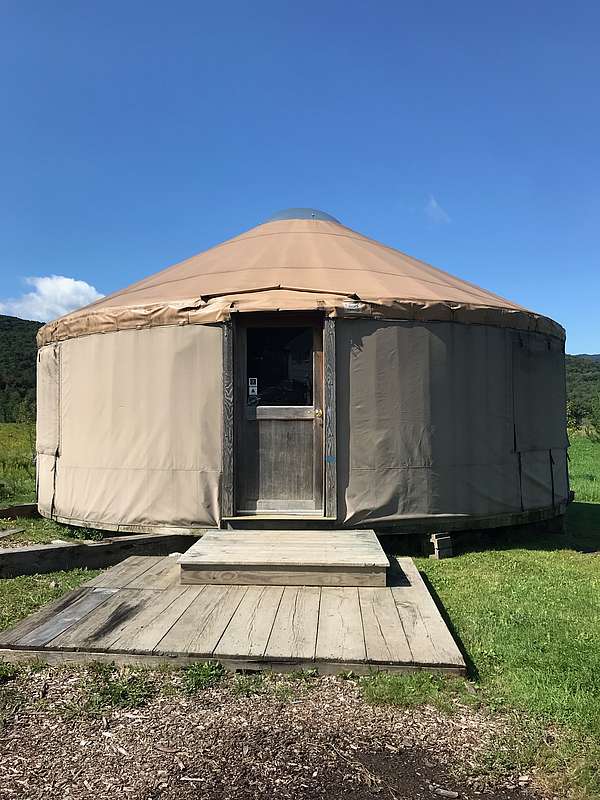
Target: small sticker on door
<point>253,387</point>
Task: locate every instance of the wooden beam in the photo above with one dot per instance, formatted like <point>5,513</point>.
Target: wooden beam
<point>227,490</point>
<point>330,457</point>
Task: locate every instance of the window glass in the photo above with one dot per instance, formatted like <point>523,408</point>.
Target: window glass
<point>279,366</point>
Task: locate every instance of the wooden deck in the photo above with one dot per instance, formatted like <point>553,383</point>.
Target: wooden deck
<point>286,558</point>
<point>139,612</point>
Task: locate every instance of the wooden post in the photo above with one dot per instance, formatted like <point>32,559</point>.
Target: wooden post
<point>227,497</point>
<point>442,545</point>
<point>330,418</point>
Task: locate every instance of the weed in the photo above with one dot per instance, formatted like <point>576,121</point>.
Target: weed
<point>111,687</point>
<point>247,685</point>
<point>87,534</point>
<point>283,691</point>
<point>8,672</point>
<point>9,704</point>
<point>304,674</point>
<point>199,676</point>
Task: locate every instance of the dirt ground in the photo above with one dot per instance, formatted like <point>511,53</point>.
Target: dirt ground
<point>297,738</point>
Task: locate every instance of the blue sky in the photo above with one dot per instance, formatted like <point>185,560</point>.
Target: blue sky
<point>135,134</point>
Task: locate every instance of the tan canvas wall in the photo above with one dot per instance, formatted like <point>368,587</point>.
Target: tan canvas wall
<point>140,422</point>
<point>433,418</point>
<point>47,424</point>
<point>427,422</point>
<point>539,374</point>
<point>45,468</point>
<point>48,368</point>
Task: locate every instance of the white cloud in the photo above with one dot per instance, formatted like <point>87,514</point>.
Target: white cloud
<point>52,296</point>
<point>435,212</point>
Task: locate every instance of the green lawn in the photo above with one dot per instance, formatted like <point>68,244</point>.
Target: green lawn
<point>17,466</point>
<point>528,616</point>
<point>38,530</point>
<point>584,468</point>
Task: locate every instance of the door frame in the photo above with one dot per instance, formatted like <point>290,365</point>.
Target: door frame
<point>327,465</point>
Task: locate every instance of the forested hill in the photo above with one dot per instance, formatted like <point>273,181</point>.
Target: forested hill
<point>17,368</point>
<point>17,373</point>
<point>595,357</point>
<point>583,385</point>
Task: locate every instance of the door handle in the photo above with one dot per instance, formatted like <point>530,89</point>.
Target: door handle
<point>318,413</point>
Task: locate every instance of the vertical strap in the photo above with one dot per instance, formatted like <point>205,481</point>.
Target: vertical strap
<point>521,481</point>
<point>552,477</point>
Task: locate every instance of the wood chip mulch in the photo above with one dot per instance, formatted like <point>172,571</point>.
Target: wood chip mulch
<point>320,740</point>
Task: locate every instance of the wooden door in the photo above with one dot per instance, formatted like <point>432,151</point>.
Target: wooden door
<point>279,414</point>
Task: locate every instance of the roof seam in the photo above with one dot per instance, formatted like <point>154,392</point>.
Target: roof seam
<point>472,288</point>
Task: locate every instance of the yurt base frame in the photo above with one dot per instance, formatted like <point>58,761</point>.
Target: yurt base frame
<point>410,525</point>
<point>139,613</point>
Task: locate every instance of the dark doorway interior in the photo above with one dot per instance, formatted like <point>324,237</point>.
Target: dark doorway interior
<point>280,366</point>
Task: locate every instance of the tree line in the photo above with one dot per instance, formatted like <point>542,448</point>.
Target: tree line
<point>17,369</point>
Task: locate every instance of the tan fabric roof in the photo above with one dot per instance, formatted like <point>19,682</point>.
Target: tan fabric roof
<point>296,264</point>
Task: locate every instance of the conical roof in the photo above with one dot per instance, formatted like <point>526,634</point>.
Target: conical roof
<point>300,259</point>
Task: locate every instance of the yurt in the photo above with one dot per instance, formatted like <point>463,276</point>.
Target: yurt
<point>301,371</point>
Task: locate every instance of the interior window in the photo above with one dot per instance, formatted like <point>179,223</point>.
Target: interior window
<point>279,366</point>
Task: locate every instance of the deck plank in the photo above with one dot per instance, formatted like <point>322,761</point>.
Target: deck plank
<point>235,549</point>
<point>202,624</point>
<point>12,635</point>
<point>70,615</point>
<point>143,631</point>
<point>446,649</point>
<point>248,631</point>
<point>420,643</point>
<point>340,635</point>
<point>119,576</point>
<point>385,639</point>
<point>332,576</point>
<point>97,630</point>
<point>161,575</point>
<point>294,632</point>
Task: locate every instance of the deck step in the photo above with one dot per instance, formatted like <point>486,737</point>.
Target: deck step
<point>286,557</point>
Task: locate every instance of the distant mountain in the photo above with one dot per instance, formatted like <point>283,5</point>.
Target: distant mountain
<point>595,357</point>
<point>17,368</point>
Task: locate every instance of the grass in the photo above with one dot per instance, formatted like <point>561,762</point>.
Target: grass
<point>17,485</point>
<point>24,595</point>
<point>17,465</point>
<point>417,689</point>
<point>38,530</point>
<point>584,468</point>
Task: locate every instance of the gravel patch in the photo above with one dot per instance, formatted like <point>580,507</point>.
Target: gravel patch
<point>296,738</point>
